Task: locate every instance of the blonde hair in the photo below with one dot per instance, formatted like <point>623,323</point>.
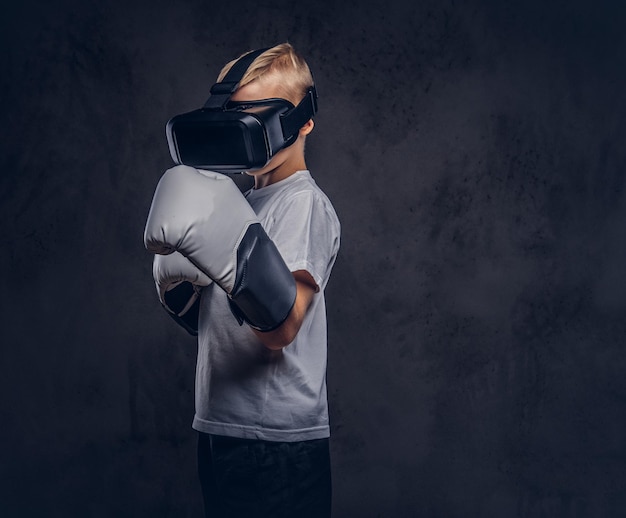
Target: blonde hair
<point>282,64</point>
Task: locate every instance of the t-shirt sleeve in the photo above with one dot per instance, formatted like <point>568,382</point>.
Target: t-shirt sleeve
<point>306,232</point>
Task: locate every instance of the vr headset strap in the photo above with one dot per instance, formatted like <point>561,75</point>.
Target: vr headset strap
<point>221,92</point>
<point>294,119</point>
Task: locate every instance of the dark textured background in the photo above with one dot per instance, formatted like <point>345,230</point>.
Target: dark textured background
<point>475,154</point>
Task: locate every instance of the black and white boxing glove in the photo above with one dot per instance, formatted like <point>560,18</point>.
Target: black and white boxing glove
<point>179,284</point>
<point>204,216</point>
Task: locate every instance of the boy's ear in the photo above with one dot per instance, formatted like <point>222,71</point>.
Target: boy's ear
<point>307,128</point>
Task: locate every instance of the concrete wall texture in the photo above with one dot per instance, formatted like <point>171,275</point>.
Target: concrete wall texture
<point>475,154</point>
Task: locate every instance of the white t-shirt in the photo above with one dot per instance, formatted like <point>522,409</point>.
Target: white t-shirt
<point>244,389</point>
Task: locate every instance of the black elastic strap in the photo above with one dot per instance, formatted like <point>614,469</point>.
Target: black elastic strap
<point>221,92</point>
<point>294,119</point>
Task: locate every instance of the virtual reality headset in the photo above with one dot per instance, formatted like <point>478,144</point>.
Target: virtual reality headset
<point>237,136</point>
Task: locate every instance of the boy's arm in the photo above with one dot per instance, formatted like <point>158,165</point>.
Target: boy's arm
<point>284,334</point>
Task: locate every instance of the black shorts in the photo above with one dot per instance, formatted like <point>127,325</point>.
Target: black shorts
<point>252,478</point>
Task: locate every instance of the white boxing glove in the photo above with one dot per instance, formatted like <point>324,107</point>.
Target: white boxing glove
<point>204,216</point>
<point>179,284</point>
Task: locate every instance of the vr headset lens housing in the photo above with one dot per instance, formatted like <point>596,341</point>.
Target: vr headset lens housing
<point>237,136</point>
<point>242,136</point>
<point>221,144</point>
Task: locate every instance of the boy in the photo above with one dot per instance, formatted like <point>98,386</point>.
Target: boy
<point>261,407</point>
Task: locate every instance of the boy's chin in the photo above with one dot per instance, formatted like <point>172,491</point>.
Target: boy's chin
<point>270,166</point>
<point>256,172</point>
